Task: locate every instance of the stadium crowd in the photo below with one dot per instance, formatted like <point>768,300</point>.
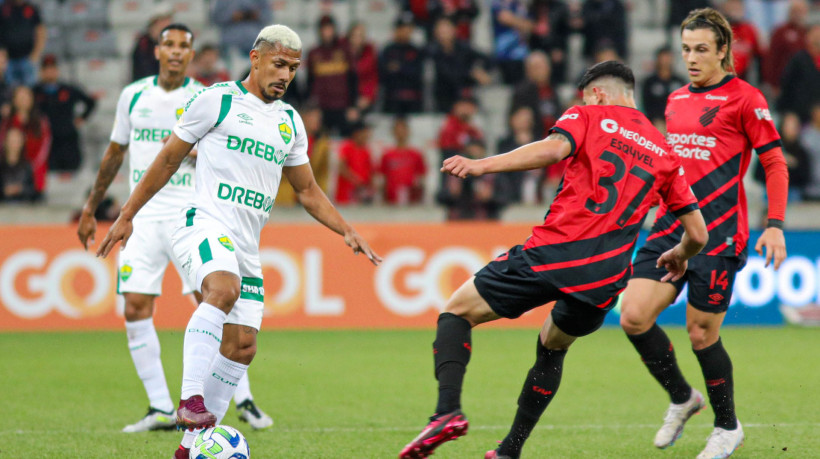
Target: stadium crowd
<point>352,82</point>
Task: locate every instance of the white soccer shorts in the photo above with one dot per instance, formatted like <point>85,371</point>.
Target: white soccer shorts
<point>141,264</point>
<point>204,246</point>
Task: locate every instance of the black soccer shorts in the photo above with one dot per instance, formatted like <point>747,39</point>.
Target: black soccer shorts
<point>710,278</point>
<point>511,288</point>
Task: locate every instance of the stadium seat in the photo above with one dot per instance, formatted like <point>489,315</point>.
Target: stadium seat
<point>51,12</point>
<point>193,13</point>
<point>85,13</point>
<point>379,16</point>
<point>132,13</point>
<point>102,74</point>
<point>91,43</point>
<point>56,42</point>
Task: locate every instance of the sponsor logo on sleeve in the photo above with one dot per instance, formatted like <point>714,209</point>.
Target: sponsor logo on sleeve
<point>568,116</point>
<point>763,114</point>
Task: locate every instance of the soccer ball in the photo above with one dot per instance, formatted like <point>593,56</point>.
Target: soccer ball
<point>220,442</point>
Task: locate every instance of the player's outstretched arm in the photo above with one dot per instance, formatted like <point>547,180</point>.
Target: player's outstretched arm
<point>111,162</point>
<point>316,203</point>
<point>159,172</point>
<point>777,189</point>
<point>534,155</point>
<point>694,239</point>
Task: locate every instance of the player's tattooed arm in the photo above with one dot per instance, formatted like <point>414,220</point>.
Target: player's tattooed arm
<point>557,136</point>
<point>111,162</point>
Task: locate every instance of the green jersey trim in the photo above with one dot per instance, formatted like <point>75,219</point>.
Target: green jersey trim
<point>290,112</point>
<point>241,87</point>
<point>224,108</point>
<point>134,101</point>
<point>189,216</point>
<point>205,251</point>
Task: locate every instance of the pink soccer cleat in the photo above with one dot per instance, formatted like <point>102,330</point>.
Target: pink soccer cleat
<point>442,429</point>
<point>192,414</point>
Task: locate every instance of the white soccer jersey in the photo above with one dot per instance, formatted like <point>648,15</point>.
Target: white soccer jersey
<point>146,114</point>
<point>243,145</point>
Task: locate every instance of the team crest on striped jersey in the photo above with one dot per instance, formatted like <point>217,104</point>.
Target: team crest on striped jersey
<point>286,132</point>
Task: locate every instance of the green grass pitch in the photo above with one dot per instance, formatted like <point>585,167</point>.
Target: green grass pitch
<point>364,394</point>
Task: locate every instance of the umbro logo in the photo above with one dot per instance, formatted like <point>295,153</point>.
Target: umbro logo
<point>708,116</point>
<point>144,112</point>
<point>245,118</point>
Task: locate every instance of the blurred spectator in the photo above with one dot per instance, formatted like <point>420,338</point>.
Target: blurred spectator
<point>366,61</point>
<point>427,12</point>
<point>679,9</point>
<point>26,116</point>
<point>767,14</point>
<point>656,87</point>
<point>811,140</point>
<point>318,152</point>
<point>537,93</point>
<point>472,198</point>
<point>400,70</point>
<point>402,168</point>
<point>786,41</point>
<point>208,67</point>
<point>550,34</point>
<point>107,211</point>
<point>16,179</point>
<point>604,25</point>
<point>143,61</point>
<point>746,47</point>
<point>522,132</point>
<point>24,36</point>
<point>458,66</point>
<point>332,77</point>
<point>797,158</point>
<point>5,89</point>
<point>799,88</point>
<point>60,101</point>
<point>355,181</point>
<point>458,128</point>
<point>239,23</point>
<point>512,26</point>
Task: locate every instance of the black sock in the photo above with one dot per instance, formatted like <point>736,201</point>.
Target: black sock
<point>717,371</point>
<point>540,386</point>
<point>451,353</point>
<point>658,355</point>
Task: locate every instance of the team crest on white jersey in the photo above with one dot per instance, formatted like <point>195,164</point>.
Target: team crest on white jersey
<point>286,132</point>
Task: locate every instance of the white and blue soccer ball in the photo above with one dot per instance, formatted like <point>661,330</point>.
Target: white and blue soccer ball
<point>220,442</point>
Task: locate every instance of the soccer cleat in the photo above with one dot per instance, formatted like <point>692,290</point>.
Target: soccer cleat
<point>181,452</point>
<point>250,413</point>
<point>154,420</point>
<point>442,429</point>
<point>494,455</point>
<point>675,418</point>
<point>722,443</point>
<point>192,414</point>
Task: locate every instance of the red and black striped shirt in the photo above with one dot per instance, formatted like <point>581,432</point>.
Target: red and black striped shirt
<point>619,164</point>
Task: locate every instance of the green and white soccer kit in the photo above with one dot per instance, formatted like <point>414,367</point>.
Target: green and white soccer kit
<point>146,114</point>
<point>243,145</point>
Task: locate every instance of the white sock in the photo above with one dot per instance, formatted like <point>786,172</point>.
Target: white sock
<point>220,384</point>
<point>188,438</point>
<point>144,346</point>
<point>203,336</point>
<point>243,390</point>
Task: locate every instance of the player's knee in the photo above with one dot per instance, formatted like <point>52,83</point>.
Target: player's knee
<point>701,337</point>
<point>632,322</point>
<point>138,307</point>
<point>241,352</point>
<point>222,296</point>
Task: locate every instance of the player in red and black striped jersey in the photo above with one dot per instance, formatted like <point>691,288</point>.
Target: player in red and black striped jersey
<point>713,124</point>
<point>580,257</point>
